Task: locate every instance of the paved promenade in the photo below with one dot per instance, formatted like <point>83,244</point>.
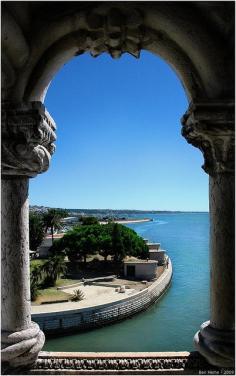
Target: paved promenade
<point>94,296</point>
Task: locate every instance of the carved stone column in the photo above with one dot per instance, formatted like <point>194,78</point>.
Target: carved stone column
<point>210,127</point>
<point>27,145</point>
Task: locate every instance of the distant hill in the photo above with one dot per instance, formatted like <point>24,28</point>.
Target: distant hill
<point>110,212</point>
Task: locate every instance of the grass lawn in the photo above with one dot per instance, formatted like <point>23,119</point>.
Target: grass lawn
<point>51,294</point>
<point>64,282</point>
<point>92,269</point>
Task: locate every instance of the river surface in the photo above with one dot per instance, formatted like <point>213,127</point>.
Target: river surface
<point>170,324</point>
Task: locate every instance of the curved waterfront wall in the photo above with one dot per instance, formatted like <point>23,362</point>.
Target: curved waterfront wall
<point>92,317</point>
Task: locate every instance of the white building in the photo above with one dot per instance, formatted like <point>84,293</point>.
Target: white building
<point>141,269</point>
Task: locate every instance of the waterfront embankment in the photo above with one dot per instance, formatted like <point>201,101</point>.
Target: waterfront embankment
<point>67,317</point>
<point>170,324</point>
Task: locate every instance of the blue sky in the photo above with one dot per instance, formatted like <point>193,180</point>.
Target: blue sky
<point>119,142</point>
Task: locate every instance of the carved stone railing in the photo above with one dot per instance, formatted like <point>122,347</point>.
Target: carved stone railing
<point>146,363</point>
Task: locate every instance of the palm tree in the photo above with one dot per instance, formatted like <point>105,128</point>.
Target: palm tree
<point>52,220</point>
<point>53,268</point>
<point>35,280</point>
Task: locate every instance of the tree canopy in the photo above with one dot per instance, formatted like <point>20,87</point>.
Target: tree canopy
<point>85,221</point>
<point>36,230</point>
<point>111,239</point>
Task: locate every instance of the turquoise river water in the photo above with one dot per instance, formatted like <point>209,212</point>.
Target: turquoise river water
<point>170,324</point>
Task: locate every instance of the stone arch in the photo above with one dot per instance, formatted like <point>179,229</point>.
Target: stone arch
<point>170,32</point>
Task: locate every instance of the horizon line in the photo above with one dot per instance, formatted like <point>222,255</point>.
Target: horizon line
<point>146,210</point>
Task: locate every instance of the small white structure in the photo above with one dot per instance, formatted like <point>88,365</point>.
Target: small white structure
<point>140,269</point>
<point>158,256</point>
<point>156,253</point>
<point>153,246</point>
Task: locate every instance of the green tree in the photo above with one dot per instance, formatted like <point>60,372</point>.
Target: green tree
<point>53,268</point>
<point>69,244</point>
<point>88,246</point>
<point>129,242</point>
<point>80,242</point>
<point>134,244</point>
<point>36,230</point>
<point>118,249</point>
<point>52,220</point>
<point>110,239</point>
<point>105,245</point>
<point>89,221</point>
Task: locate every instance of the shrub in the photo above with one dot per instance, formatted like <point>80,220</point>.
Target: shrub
<point>77,295</point>
<point>88,221</point>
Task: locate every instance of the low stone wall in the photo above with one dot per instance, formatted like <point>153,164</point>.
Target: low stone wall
<point>103,284</point>
<point>100,315</point>
<point>88,282</point>
<point>69,286</point>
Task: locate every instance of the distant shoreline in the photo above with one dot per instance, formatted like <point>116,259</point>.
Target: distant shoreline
<point>127,221</point>
<point>121,211</point>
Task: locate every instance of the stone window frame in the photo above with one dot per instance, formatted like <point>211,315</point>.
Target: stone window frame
<point>28,133</point>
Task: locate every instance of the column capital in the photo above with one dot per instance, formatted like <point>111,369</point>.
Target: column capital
<point>28,133</point>
<point>209,126</point>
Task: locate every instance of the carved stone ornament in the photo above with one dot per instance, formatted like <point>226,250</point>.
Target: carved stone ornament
<point>28,133</point>
<point>50,363</point>
<point>209,126</point>
<point>113,30</point>
<point>21,348</point>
